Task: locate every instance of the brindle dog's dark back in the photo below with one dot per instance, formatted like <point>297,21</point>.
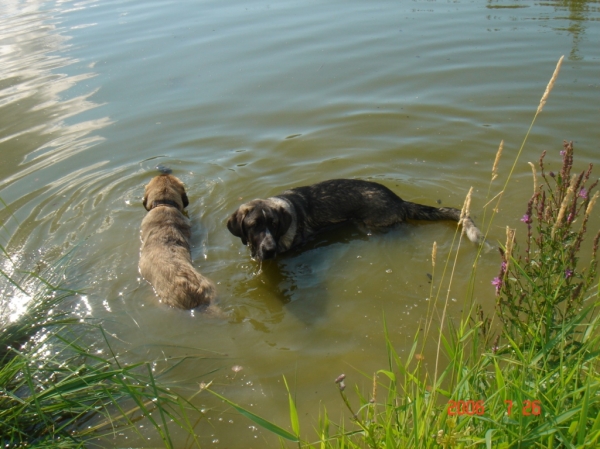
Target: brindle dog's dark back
<point>277,224</point>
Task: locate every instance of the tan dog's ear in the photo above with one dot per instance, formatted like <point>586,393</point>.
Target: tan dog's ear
<point>145,203</point>
<point>235,224</point>
<point>185,200</point>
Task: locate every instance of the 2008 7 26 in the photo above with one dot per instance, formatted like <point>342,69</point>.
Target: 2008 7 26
<point>478,408</point>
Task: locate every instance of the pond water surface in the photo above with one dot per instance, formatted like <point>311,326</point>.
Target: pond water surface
<point>244,99</point>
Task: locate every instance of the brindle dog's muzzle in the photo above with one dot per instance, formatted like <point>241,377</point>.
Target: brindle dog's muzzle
<point>267,249</point>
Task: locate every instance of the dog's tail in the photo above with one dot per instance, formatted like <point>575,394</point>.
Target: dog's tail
<point>416,211</point>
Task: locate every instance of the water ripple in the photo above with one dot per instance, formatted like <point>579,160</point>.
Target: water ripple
<point>42,127</point>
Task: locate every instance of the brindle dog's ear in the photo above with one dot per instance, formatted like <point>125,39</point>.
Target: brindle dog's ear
<point>285,220</point>
<point>235,224</point>
<point>185,200</point>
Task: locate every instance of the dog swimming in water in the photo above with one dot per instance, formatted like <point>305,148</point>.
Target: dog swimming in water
<point>277,224</point>
<point>165,258</point>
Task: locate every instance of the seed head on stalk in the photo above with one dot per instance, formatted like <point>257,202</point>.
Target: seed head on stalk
<point>550,85</point>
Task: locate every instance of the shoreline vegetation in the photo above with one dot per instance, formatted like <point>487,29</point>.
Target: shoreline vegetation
<point>57,390</point>
<point>527,376</point>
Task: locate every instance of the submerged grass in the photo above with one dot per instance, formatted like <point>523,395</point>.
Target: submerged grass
<point>528,376</point>
<point>54,392</point>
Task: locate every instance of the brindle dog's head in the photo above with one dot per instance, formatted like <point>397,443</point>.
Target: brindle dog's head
<point>165,190</point>
<point>260,224</point>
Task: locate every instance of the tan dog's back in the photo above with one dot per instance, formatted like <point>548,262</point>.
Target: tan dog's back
<point>165,259</point>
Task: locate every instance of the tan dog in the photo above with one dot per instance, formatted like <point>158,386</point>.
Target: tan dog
<point>165,259</point>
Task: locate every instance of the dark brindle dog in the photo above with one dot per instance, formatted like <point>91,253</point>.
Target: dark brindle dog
<point>277,224</point>
<point>165,259</point>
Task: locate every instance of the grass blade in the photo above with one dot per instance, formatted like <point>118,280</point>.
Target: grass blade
<point>293,411</point>
<point>274,428</point>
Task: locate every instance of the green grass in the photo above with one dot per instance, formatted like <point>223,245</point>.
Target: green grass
<point>54,392</point>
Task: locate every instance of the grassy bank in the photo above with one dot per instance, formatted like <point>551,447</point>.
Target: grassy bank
<point>529,375</point>
<point>56,392</point>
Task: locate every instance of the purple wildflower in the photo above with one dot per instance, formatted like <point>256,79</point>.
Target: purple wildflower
<point>583,193</point>
<point>526,219</point>
<point>563,152</point>
<point>568,273</point>
<point>552,174</point>
<point>503,266</point>
<point>497,282</point>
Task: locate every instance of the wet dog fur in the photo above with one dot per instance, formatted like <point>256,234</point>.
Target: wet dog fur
<point>165,258</point>
<point>277,224</point>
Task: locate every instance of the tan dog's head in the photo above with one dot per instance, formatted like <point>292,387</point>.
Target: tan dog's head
<point>165,190</point>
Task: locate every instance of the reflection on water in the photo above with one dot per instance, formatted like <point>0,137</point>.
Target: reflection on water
<point>39,123</point>
<point>580,12</point>
<point>298,275</point>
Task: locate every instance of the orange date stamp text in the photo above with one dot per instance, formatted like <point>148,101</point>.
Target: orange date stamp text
<point>459,408</point>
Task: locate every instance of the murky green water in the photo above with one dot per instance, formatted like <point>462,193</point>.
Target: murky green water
<point>244,99</point>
